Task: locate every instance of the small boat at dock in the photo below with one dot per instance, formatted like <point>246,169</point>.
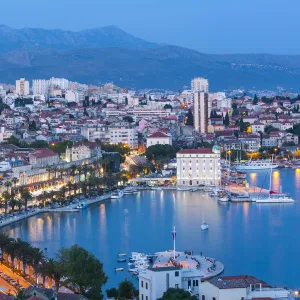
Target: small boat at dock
<point>121,254</point>
<point>119,269</point>
<point>120,260</point>
<point>117,195</point>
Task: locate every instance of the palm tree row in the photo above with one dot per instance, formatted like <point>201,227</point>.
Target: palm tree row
<point>16,252</point>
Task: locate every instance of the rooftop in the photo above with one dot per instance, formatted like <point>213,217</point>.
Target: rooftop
<point>196,151</point>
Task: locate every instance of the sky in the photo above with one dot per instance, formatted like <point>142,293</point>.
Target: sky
<point>209,26</point>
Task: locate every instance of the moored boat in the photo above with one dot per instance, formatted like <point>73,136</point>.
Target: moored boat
<point>204,226</point>
<point>117,195</point>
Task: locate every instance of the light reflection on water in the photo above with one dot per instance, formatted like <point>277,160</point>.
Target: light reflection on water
<point>252,239</point>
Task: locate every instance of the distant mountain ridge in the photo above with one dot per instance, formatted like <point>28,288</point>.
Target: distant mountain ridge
<point>109,36</point>
<point>109,54</point>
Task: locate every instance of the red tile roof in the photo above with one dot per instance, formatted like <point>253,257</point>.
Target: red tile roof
<point>43,152</point>
<point>196,151</point>
<point>158,135</point>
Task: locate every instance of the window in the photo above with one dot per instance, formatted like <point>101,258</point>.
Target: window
<point>142,297</point>
<point>176,273</point>
<point>176,286</point>
<point>167,280</point>
<point>142,283</point>
<point>203,297</point>
<point>213,298</point>
<point>146,285</point>
<point>183,182</point>
<point>191,182</point>
<point>146,297</point>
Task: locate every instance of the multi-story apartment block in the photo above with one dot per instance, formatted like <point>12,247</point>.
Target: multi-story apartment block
<point>22,87</point>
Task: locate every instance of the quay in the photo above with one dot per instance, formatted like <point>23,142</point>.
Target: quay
<point>69,208</point>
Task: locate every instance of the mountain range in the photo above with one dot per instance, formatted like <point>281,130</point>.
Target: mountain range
<point>107,54</point>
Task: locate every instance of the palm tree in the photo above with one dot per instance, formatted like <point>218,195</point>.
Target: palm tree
<point>4,241</point>
<point>73,170</point>
<point>13,203</point>
<point>37,258</point>
<point>69,184</point>
<point>54,273</point>
<point>12,249</point>
<point>7,184</point>
<point>85,170</point>
<point>23,254</point>
<point>26,196</point>
<point>45,196</point>
<point>15,180</point>
<point>6,197</point>
<point>49,170</point>
<point>75,187</point>
<point>19,204</point>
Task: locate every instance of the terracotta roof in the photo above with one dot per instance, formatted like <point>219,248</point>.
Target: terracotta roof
<point>196,151</point>
<point>158,135</point>
<point>43,152</point>
<point>69,296</point>
<point>233,282</point>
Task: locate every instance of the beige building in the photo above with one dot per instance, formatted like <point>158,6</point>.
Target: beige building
<point>84,150</point>
<point>22,87</point>
<point>43,157</point>
<point>201,111</point>
<point>198,166</point>
<point>159,138</point>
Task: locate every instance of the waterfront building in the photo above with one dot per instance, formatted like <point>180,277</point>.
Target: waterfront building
<point>183,270</point>
<point>43,157</point>
<point>159,138</point>
<point>22,87</point>
<point>198,166</point>
<point>124,133</point>
<point>240,287</point>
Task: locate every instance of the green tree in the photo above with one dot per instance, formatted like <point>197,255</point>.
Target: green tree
<point>26,196</point>
<point>158,152</point>
<point>255,100</point>
<point>177,294</point>
<point>82,270</point>
<point>226,120</point>
<point>128,119</point>
<point>126,290</point>
<point>112,293</point>
<point>168,106</point>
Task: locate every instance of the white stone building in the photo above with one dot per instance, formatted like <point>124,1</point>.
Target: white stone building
<point>198,166</point>
<point>159,138</point>
<point>201,111</point>
<point>124,133</point>
<point>239,288</point>
<point>84,150</point>
<point>199,84</point>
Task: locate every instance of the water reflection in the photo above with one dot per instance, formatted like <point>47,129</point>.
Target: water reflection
<point>248,238</point>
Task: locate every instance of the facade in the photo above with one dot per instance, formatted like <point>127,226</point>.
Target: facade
<point>124,133</point>
<point>40,87</point>
<point>43,157</point>
<point>158,138</point>
<point>199,84</point>
<point>198,166</point>
<point>201,111</point>
<point>84,150</point>
<point>22,87</point>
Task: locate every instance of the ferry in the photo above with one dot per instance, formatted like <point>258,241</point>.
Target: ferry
<point>81,205</point>
<point>256,165</point>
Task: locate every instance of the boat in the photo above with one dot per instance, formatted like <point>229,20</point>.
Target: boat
<point>239,197</point>
<point>130,191</point>
<point>119,269</point>
<point>157,188</point>
<point>183,189</point>
<point>194,190</point>
<point>204,226</point>
<point>121,254</point>
<point>117,195</point>
<point>81,205</point>
<point>273,196</point>
<point>256,165</point>
<point>223,198</point>
<point>121,260</point>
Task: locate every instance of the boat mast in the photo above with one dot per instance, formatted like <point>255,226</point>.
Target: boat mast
<point>174,240</point>
<point>270,185</point>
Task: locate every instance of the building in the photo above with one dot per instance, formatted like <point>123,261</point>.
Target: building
<point>199,84</point>
<point>40,86</point>
<point>83,150</point>
<point>198,166</point>
<point>22,87</point>
<point>185,270</point>
<point>239,288</point>
<point>124,133</point>
<point>158,138</point>
<point>43,157</point>
<point>201,111</point>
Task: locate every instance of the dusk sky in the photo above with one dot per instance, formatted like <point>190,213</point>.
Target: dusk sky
<point>211,26</point>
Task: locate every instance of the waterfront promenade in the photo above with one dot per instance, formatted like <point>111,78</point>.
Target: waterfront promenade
<point>35,211</point>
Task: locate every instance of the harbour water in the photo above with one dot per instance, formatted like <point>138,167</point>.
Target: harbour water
<point>249,238</point>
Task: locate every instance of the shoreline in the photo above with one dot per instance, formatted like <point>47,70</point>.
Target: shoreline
<point>69,208</point>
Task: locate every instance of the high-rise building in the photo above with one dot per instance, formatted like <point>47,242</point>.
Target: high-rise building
<point>200,84</point>
<point>40,86</point>
<point>22,87</point>
<point>201,111</point>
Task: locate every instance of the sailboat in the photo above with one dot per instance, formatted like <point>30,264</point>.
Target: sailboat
<point>204,225</point>
<point>273,196</point>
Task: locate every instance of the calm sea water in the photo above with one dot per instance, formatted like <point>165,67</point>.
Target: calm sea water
<point>253,239</point>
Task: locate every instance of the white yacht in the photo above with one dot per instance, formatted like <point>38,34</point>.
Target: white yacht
<point>256,165</point>
<point>117,195</point>
<point>223,198</point>
<point>274,197</point>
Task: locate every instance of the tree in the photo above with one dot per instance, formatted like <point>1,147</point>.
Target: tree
<point>255,100</point>
<point>128,119</point>
<point>82,270</point>
<point>4,241</point>
<point>177,294</point>
<point>26,196</point>
<point>112,293</point>
<point>168,106</point>
<point>6,197</point>
<point>157,152</point>
<point>226,120</point>
<point>189,119</point>
<point>126,290</point>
